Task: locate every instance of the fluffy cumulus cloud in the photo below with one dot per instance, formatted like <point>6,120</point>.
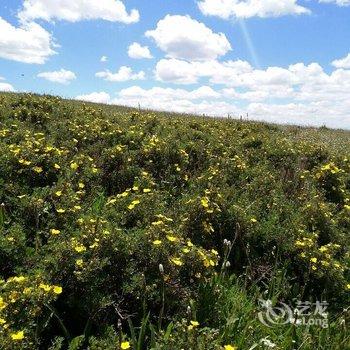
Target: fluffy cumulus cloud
<point>96,97</point>
<point>198,101</point>
<point>123,74</point>
<point>77,10</point>
<point>137,51</point>
<point>182,37</point>
<point>205,100</point>
<point>28,43</point>
<point>104,59</point>
<point>190,72</point>
<point>61,76</point>
<point>5,86</point>
<point>251,8</point>
<point>342,63</point>
<point>136,92</point>
<point>300,93</point>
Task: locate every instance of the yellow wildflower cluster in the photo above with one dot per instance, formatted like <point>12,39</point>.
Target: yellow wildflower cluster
<point>17,293</point>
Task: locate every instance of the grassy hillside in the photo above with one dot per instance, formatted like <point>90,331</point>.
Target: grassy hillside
<point>122,228</point>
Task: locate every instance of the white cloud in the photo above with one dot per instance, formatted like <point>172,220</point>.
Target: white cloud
<point>29,43</point>
<point>311,114</point>
<point>337,2</point>
<point>176,71</point>
<point>137,51</point>
<point>316,113</point>
<point>300,93</point>
<point>124,74</point>
<point>104,59</point>
<point>184,72</point>
<point>97,97</point>
<point>174,102</point>
<point>185,38</point>
<point>62,76</point>
<point>135,92</point>
<point>240,74</point>
<point>77,10</point>
<point>250,8</point>
<point>6,86</point>
<point>342,63</point>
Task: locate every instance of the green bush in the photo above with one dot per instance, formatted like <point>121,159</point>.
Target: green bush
<point>162,231</point>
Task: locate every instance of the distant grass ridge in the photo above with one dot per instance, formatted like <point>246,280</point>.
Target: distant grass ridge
<point>122,228</point>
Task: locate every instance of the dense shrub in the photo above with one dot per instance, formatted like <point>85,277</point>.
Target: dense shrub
<point>113,218</point>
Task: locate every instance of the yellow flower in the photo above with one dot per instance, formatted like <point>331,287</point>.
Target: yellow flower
<point>193,324</point>
<point>2,321</point>
<point>171,238</point>
<point>17,336</point>
<point>133,204</point>
<point>314,260</point>
<point>146,190</point>
<point>111,201</point>
<point>38,169</point>
<point>157,242</point>
<point>177,261</point>
<point>55,232</point>
<point>230,347</point>
<point>74,166</point>
<point>61,211</point>
<point>157,223</point>
<point>45,287</point>
<point>125,345</point>
<point>205,202</point>
<point>253,220</point>
<point>81,185</point>
<point>19,279</point>
<point>80,248</point>
<point>57,167</point>
<point>135,188</point>
<point>57,289</point>
<point>348,286</point>
<point>2,304</point>
<point>27,290</point>
<point>58,193</point>
<point>79,262</point>
<point>94,245</point>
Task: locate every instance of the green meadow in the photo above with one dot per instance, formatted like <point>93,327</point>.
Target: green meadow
<point>132,229</point>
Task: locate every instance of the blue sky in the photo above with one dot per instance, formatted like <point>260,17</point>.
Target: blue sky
<point>284,61</point>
